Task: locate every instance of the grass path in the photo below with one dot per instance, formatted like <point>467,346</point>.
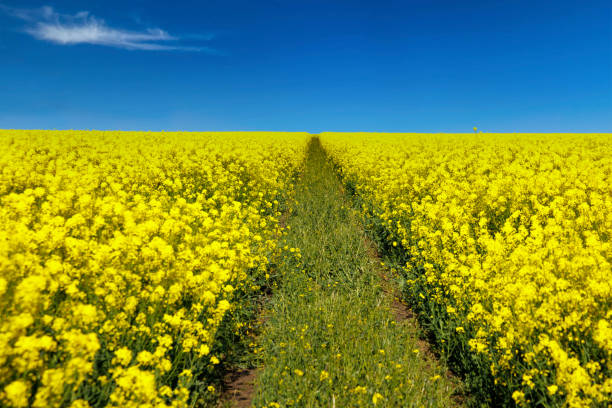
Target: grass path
<point>330,338</point>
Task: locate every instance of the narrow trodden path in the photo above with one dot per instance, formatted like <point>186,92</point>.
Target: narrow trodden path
<point>331,338</point>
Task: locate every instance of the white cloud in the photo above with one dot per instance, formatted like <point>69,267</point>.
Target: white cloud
<point>83,28</point>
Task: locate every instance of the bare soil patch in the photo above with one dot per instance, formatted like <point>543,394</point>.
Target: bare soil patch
<point>239,388</point>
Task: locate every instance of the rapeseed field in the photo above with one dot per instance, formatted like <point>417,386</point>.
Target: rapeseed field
<point>504,242</point>
<point>122,252</point>
<point>132,263</point>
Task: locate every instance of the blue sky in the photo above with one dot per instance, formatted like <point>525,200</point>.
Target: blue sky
<point>317,65</point>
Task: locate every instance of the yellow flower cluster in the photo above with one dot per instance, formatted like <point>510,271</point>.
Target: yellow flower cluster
<point>510,236</point>
<point>121,253</point>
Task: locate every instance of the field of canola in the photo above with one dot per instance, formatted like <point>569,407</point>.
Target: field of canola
<point>121,253</point>
<point>505,242</point>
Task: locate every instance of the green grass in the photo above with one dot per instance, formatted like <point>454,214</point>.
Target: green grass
<point>330,338</point>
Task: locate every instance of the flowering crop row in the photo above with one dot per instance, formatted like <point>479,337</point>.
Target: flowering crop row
<point>507,248</point>
<point>121,253</point>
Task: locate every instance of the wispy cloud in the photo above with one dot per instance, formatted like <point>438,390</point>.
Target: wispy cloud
<point>83,28</point>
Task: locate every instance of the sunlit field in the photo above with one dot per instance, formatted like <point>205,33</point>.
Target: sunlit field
<point>121,254</point>
<point>133,263</point>
<point>504,242</point>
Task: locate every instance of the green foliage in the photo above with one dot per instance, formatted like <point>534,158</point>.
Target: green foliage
<point>330,338</point>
